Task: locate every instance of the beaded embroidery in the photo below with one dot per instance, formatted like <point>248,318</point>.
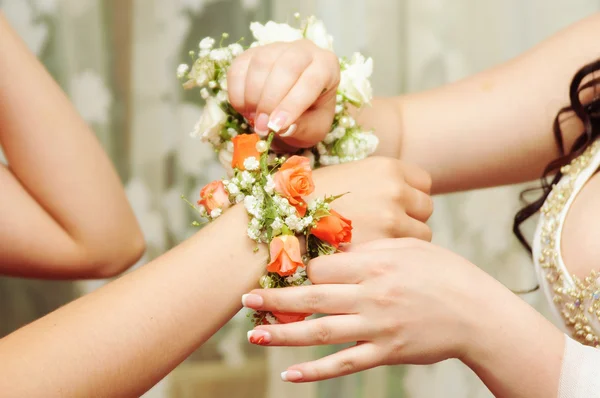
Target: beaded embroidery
<point>578,301</point>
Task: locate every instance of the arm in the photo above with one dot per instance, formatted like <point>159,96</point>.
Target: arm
<point>64,212</point>
<point>126,336</point>
<point>430,306</point>
<point>492,128</point>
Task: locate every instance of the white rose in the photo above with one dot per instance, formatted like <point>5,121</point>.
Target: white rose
<point>354,80</point>
<point>211,121</point>
<point>316,32</point>
<point>225,158</point>
<point>273,32</point>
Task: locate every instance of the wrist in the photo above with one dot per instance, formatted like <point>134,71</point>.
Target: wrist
<point>511,347</point>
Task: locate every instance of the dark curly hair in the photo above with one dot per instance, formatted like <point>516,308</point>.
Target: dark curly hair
<point>589,114</point>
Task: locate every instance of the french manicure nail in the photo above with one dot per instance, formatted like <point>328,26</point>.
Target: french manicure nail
<point>291,375</point>
<point>252,301</point>
<point>277,121</point>
<point>259,337</point>
<point>261,124</point>
<point>290,131</point>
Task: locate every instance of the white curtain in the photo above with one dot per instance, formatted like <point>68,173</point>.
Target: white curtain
<point>116,59</point>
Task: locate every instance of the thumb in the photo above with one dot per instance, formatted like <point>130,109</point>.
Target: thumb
<point>312,126</point>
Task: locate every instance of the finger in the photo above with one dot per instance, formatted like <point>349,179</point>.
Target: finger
<point>313,299</point>
<point>416,177</point>
<point>313,125</point>
<point>286,71</point>
<point>335,329</point>
<point>236,80</point>
<point>350,360</point>
<point>316,80</point>
<point>418,204</point>
<point>409,227</point>
<point>258,71</point>
<point>383,244</point>
<point>340,268</point>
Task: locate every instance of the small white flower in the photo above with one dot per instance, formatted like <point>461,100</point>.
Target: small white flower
<point>204,53</point>
<point>246,180</point>
<point>240,198</point>
<point>354,80</point>
<point>222,96</point>
<point>225,158</point>
<point>215,213</point>
<point>339,108</point>
<point>253,206</point>
<point>211,121</point>
<point>251,163</point>
<point>294,223</point>
<point>182,70</point>
<point>229,144</point>
<point>273,32</point>
<point>206,43</point>
<point>313,204</point>
<point>254,223</point>
<point>236,49</point>
<point>212,84</point>
<point>204,93</point>
<point>271,319</point>
<point>277,224</point>
<point>220,54</point>
<point>321,148</point>
<point>306,221</point>
<point>201,79</point>
<point>202,210</point>
<point>315,31</point>
<point>311,158</point>
<point>233,189</point>
<point>253,233</point>
<point>270,185</point>
<point>223,82</point>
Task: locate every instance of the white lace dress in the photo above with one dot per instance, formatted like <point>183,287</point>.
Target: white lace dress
<point>575,302</point>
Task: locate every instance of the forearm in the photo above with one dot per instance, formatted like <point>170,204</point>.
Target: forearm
<point>123,338</point>
<point>515,351</point>
<point>495,127</point>
<point>59,167</point>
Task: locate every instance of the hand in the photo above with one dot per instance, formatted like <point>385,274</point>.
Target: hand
<point>404,301</point>
<point>289,88</point>
<point>386,197</point>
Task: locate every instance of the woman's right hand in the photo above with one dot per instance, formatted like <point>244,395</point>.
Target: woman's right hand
<point>386,198</point>
<point>289,88</point>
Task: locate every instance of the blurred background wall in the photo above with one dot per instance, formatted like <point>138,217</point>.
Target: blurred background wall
<point>116,60</point>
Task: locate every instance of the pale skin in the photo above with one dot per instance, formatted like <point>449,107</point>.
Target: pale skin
<point>64,212</point>
<point>491,129</point>
<point>123,338</point>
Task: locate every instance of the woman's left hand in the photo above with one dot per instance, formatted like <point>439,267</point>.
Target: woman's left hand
<point>403,301</point>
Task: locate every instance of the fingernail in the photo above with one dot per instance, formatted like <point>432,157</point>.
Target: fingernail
<point>277,121</point>
<point>259,337</point>
<point>291,375</point>
<point>290,131</point>
<point>261,124</point>
<point>252,301</point>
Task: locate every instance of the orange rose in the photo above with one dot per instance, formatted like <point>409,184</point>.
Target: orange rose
<point>333,229</point>
<point>285,255</point>
<point>244,147</point>
<point>294,180</point>
<point>288,317</point>
<point>214,196</point>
